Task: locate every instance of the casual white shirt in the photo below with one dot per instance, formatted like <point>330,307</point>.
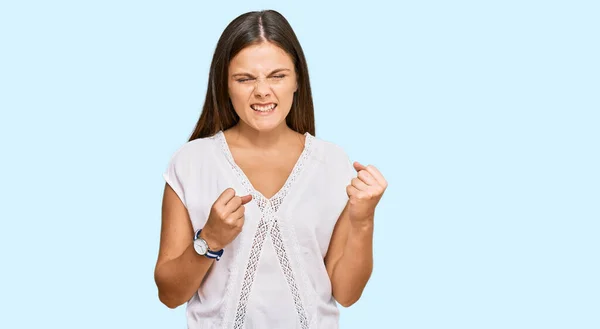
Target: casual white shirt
<point>272,275</point>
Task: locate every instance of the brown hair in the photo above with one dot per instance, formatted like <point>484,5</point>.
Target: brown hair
<point>249,29</point>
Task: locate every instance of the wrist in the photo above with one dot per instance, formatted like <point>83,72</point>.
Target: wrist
<point>363,223</point>
<point>362,228</point>
<point>213,245</point>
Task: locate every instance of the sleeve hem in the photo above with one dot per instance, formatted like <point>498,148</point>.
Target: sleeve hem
<point>175,188</point>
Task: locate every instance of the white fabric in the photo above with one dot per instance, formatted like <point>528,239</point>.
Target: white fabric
<point>272,275</point>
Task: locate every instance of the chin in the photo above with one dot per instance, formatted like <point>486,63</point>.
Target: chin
<point>266,126</point>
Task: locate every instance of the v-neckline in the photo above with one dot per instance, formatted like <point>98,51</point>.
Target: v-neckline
<point>280,194</point>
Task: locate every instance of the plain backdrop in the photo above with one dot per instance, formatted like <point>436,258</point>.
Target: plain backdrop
<point>483,116</point>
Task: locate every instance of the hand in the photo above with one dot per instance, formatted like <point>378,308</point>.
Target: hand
<point>225,220</point>
<point>364,193</point>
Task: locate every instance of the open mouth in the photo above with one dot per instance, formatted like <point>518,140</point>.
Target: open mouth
<point>264,108</point>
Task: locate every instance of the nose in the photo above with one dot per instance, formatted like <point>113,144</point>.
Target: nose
<point>262,88</point>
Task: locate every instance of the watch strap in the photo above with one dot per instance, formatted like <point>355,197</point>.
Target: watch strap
<point>209,253</point>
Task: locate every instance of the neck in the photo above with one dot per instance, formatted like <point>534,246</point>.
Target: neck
<point>246,135</point>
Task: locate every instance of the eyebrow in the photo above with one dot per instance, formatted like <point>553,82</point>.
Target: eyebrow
<point>250,75</point>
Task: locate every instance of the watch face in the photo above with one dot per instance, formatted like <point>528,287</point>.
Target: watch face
<point>200,246</point>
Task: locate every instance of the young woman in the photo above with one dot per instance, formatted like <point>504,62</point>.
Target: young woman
<point>263,224</point>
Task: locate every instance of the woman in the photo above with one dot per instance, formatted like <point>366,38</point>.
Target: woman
<point>263,224</point>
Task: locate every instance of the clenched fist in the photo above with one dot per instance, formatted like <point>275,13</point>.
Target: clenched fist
<point>225,220</point>
<point>364,192</point>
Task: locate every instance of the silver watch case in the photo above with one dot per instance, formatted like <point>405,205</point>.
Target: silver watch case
<point>200,246</point>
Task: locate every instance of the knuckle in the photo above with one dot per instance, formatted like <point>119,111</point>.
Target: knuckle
<point>223,214</point>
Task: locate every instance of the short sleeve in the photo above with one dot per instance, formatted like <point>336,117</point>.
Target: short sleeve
<point>347,166</point>
<point>350,171</point>
<point>172,176</point>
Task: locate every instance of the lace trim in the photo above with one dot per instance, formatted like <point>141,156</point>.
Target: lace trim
<point>289,239</point>
<point>250,273</point>
<point>268,208</point>
<point>277,199</point>
<point>289,273</point>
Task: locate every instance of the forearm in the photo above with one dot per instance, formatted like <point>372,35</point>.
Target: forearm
<point>353,270</point>
<point>179,278</point>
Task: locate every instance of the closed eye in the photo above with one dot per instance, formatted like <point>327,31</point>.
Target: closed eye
<point>278,77</point>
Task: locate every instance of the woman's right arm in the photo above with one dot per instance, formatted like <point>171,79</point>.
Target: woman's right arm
<point>179,269</point>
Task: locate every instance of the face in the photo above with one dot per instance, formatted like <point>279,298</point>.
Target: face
<point>262,83</point>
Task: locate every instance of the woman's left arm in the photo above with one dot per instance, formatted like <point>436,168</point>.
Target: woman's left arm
<point>349,259</point>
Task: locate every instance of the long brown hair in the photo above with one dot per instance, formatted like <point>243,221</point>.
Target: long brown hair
<point>249,29</point>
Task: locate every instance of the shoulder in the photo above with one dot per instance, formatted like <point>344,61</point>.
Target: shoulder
<point>334,170</point>
<point>193,153</point>
<point>333,158</point>
<point>328,151</point>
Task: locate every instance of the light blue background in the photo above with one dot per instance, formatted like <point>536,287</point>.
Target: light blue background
<point>483,116</point>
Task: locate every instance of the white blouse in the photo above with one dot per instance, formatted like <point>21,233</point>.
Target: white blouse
<point>272,275</point>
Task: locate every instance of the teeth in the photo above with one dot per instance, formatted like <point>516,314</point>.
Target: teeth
<point>263,108</point>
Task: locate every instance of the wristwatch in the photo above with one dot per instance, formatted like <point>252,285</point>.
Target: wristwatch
<point>201,247</point>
